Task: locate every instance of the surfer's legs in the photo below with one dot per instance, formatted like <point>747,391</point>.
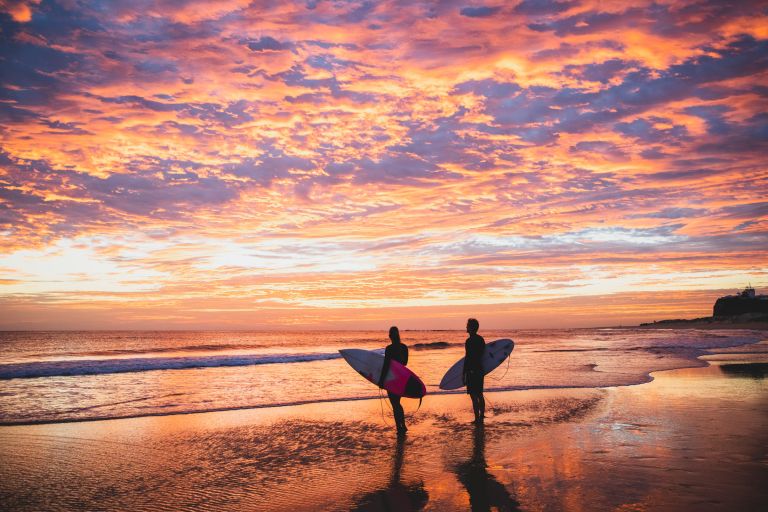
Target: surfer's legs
<point>481,405</point>
<point>478,405</point>
<point>399,413</point>
<point>475,385</point>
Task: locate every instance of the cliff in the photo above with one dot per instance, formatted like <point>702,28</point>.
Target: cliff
<point>744,303</point>
<point>745,310</point>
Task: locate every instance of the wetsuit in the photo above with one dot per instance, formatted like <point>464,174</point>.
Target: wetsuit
<point>398,352</point>
<point>474,376</point>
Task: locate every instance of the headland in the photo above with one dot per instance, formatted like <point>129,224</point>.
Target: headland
<point>743,310</point>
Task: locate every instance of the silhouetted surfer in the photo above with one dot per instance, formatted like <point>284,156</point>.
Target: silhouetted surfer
<point>474,376</point>
<point>398,351</point>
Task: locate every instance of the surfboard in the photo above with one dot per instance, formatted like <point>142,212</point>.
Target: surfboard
<point>495,354</point>
<point>399,380</point>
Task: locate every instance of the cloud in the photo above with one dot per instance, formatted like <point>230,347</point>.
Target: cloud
<point>267,43</point>
<point>672,213</point>
<point>268,167</point>
<point>20,11</point>
<point>62,127</point>
<point>598,147</point>
<point>751,135</point>
<point>489,88</point>
<point>602,72</point>
<point>84,200</point>
<point>390,169</point>
<point>747,211</point>
<point>155,66</point>
<point>538,114</point>
<point>666,20</point>
<point>645,130</point>
<point>685,174</point>
<point>654,153</point>
<point>590,22</point>
<point>230,114</point>
<point>713,115</point>
<point>563,51</point>
<point>147,195</point>
<point>479,12</point>
<point>543,7</point>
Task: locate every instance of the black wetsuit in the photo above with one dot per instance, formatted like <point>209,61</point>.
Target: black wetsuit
<point>398,352</point>
<point>474,376</point>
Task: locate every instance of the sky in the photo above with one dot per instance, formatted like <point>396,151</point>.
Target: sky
<point>347,165</point>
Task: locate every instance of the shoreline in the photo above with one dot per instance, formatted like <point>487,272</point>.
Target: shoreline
<point>647,377</point>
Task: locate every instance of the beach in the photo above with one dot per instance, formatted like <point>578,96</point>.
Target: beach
<point>691,439</point>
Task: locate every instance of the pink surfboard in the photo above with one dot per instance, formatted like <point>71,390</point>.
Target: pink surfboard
<point>399,380</point>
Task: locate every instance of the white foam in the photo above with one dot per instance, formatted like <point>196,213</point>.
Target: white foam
<point>104,366</point>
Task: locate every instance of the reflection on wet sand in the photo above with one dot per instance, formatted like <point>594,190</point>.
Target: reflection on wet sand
<point>396,496</point>
<point>485,492</point>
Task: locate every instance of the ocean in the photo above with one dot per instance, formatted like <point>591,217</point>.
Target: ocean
<point>50,377</point>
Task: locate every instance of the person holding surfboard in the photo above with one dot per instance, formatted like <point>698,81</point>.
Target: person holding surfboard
<point>474,375</point>
<point>398,351</point>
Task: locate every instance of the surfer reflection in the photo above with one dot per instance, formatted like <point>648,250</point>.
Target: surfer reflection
<point>397,496</point>
<point>398,351</point>
<point>474,376</point>
<point>485,492</point>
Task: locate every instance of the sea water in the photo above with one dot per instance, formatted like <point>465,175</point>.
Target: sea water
<point>73,376</point>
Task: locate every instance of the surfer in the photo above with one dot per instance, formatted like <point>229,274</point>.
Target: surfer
<point>398,351</point>
<point>474,376</point>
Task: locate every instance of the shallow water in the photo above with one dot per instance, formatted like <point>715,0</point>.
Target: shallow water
<point>69,376</point>
<point>694,439</point>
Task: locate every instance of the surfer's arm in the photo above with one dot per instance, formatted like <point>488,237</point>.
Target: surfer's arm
<point>464,365</point>
<point>471,361</point>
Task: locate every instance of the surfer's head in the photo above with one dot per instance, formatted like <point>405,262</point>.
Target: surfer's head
<point>472,326</point>
<point>394,334</point>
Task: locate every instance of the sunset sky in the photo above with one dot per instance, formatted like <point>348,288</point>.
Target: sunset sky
<point>339,164</point>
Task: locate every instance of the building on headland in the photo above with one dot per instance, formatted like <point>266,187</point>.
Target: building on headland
<point>745,309</point>
<point>742,303</point>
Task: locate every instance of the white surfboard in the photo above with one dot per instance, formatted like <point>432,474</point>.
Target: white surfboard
<point>495,353</point>
<point>399,379</point>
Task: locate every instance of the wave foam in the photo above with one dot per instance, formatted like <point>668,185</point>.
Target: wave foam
<point>105,366</point>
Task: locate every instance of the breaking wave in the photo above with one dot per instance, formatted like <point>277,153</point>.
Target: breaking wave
<point>105,366</point>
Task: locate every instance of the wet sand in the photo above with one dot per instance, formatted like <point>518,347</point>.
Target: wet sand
<point>693,439</point>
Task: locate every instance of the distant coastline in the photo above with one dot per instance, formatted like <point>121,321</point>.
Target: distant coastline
<point>710,322</point>
<point>745,310</point>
